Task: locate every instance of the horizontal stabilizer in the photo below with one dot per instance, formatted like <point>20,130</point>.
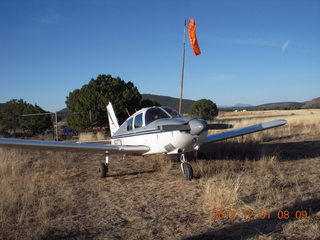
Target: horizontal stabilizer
<point>245,130</point>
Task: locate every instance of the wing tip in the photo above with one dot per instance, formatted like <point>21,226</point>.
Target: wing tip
<point>274,123</point>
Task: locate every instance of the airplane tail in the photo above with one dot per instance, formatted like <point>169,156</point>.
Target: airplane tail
<point>113,121</point>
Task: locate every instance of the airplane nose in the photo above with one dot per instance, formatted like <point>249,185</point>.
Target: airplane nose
<point>196,126</point>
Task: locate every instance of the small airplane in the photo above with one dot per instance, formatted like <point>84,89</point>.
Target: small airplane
<point>152,130</point>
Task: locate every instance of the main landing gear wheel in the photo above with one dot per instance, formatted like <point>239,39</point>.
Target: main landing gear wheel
<point>103,170</point>
<point>187,170</point>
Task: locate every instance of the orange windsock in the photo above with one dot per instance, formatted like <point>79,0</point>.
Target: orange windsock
<point>193,37</point>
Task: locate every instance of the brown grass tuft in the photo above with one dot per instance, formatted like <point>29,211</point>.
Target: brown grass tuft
<point>308,228</point>
<point>90,136</point>
<point>163,163</point>
<point>100,136</point>
<point>30,189</point>
<point>223,191</point>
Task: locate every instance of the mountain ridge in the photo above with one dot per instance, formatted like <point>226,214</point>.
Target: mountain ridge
<point>170,101</point>
<point>187,103</point>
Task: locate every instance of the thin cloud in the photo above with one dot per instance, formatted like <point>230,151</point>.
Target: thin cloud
<point>253,42</point>
<point>285,46</point>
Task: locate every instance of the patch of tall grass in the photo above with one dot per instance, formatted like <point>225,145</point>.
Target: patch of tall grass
<point>30,184</point>
<point>90,136</point>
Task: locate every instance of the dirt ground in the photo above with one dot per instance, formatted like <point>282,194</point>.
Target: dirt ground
<point>60,195</point>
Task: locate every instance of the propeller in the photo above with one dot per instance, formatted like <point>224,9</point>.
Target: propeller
<point>195,126</point>
<point>175,127</point>
<point>217,126</point>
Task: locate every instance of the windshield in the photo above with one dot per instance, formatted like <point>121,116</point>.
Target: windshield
<point>153,114</point>
<point>173,113</point>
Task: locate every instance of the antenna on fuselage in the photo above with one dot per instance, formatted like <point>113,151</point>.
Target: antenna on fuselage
<point>127,112</point>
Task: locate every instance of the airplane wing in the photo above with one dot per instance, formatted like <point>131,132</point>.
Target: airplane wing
<point>72,147</point>
<point>245,130</point>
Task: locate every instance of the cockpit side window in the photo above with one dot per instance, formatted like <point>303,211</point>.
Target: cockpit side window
<point>129,124</point>
<point>138,121</point>
<point>173,113</point>
<point>153,114</point>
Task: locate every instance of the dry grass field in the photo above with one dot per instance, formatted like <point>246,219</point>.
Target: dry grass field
<point>260,186</point>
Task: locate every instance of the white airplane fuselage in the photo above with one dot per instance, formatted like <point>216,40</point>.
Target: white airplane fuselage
<point>161,129</point>
<point>169,142</point>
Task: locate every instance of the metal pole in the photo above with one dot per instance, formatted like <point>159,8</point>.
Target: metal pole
<point>56,116</point>
<point>54,136</point>
<point>182,72</point>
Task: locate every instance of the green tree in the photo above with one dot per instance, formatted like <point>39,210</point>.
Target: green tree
<point>204,108</point>
<point>35,124</point>
<point>10,114</point>
<point>94,97</point>
<point>149,103</point>
<point>11,120</point>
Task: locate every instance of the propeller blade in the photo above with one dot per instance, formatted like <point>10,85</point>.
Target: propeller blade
<point>175,127</point>
<point>217,126</point>
<point>195,126</point>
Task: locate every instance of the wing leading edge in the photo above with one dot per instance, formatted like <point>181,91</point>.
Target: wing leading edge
<point>72,147</point>
<point>245,130</point>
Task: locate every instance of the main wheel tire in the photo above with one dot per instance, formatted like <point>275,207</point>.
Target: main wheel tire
<point>187,171</point>
<point>103,169</point>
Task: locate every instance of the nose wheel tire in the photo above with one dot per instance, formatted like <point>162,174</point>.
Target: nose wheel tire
<point>187,170</point>
<point>103,170</point>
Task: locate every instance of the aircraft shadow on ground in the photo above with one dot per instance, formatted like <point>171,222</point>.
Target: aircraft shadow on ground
<point>254,151</point>
<point>58,234</point>
<point>131,173</point>
<point>256,227</point>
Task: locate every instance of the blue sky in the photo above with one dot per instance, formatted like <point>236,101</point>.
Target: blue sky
<point>253,52</point>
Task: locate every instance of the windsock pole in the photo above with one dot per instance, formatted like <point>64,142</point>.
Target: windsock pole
<point>182,72</point>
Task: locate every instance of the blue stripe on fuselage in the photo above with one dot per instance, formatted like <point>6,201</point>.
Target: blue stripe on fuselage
<point>134,134</point>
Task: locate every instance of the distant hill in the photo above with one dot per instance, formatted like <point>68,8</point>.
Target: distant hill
<point>241,105</point>
<point>63,113</point>
<point>170,101</point>
<point>186,104</point>
<point>278,106</point>
<point>314,103</point>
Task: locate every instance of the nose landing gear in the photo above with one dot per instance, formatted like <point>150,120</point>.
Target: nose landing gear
<point>103,168</point>
<point>186,168</point>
